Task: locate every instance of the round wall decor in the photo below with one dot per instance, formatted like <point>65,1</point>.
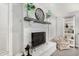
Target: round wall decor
<point>39,14</point>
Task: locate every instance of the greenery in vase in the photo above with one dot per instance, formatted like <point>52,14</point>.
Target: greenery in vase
<point>30,6</point>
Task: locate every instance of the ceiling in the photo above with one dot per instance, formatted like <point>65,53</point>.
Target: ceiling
<point>60,9</point>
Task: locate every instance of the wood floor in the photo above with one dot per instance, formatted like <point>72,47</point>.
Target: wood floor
<point>68,52</point>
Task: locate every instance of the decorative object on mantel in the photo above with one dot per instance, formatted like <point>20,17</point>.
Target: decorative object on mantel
<point>35,20</point>
<point>48,14</point>
<point>39,14</point>
<point>27,49</point>
<point>30,7</point>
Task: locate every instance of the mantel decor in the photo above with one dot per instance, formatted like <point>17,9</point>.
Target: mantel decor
<point>30,6</point>
<point>27,49</point>
<point>30,9</point>
<point>39,14</point>
<point>35,20</point>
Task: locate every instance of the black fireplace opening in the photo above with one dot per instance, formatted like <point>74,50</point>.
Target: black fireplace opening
<point>38,38</point>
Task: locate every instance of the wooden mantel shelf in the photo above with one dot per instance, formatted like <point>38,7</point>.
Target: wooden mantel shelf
<point>35,20</point>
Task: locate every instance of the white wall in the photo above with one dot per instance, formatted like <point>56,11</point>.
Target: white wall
<point>27,33</point>
<point>60,9</point>
<point>17,28</point>
<point>3,27</point>
<point>60,26</point>
<point>52,28</point>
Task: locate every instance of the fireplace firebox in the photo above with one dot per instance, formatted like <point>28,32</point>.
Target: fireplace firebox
<point>38,38</point>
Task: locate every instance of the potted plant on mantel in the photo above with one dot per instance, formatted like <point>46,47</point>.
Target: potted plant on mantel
<point>30,7</point>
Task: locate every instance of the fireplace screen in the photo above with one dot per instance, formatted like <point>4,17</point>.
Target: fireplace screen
<point>38,38</point>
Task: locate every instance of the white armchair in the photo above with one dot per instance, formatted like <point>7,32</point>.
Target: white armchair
<point>62,43</point>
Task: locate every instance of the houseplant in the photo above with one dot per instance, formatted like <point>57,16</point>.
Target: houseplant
<point>30,7</point>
